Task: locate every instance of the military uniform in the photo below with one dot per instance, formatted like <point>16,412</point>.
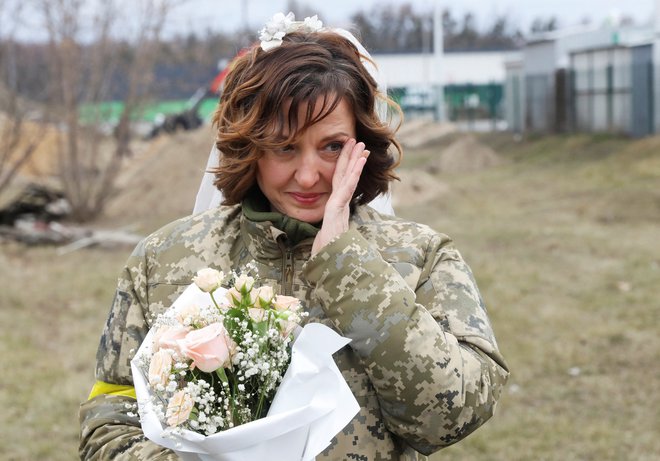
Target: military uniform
<point>423,362</point>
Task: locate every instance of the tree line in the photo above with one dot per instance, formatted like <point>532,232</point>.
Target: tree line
<point>394,29</point>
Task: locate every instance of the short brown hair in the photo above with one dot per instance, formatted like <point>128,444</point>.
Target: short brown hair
<point>306,68</point>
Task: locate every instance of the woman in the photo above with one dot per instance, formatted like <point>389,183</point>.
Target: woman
<point>303,152</point>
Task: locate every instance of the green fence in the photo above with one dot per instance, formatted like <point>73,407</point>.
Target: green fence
<point>462,102</point>
<point>110,111</point>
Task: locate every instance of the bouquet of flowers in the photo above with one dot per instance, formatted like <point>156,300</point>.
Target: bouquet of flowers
<point>217,376</point>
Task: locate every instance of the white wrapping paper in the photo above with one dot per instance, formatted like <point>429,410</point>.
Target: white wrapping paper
<point>312,404</point>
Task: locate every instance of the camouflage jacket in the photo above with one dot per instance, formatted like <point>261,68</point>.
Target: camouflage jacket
<point>423,362</point>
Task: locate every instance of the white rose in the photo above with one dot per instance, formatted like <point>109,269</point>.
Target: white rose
<point>160,367</point>
<point>265,295</point>
<point>287,327</point>
<point>179,408</point>
<point>208,279</point>
<point>256,314</point>
<point>233,296</point>
<point>244,283</point>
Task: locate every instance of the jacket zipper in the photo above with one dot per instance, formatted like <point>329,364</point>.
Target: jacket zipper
<point>287,268</point>
<point>287,273</point>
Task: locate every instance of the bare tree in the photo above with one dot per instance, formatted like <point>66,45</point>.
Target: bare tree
<point>390,27</point>
<point>544,25</point>
<point>300,9</point>
<point>84,66</point>
<point>18,141</point>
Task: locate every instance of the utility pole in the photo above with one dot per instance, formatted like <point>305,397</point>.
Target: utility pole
<point>246,18</point>
<point>656,67</point>
<point>438,64</point>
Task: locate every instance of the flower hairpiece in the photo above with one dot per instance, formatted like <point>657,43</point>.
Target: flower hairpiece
<point>274,31</point>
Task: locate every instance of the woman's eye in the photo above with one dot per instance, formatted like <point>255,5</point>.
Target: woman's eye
<point>286,149</point>
<point>335,146</point>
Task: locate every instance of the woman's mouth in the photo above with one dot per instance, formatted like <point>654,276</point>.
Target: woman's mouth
<point>306,198</point>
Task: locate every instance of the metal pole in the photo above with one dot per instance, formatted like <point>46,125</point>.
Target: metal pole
<point>245,15</point>
<point>656,68</point>
<point>438,54</point>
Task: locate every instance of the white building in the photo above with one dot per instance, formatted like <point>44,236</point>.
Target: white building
<point>442,82</point>
<point>417,70</point>
<point>587,79</point>
<point>465,77</point>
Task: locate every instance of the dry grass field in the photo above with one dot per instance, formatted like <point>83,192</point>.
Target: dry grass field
<point>562,233</point>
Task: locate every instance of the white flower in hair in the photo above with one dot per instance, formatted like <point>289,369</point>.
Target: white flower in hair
<point>274,31</point>
<point>313,24</point>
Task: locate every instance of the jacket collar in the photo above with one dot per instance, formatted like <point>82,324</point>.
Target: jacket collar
<point>265,241</point>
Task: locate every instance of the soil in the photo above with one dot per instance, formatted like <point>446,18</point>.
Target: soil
<point>464,155</point>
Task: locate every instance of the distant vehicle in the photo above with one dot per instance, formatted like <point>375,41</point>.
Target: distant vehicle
<point>189,118</point>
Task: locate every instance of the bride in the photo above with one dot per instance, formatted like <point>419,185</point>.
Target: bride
<point>304,150</point>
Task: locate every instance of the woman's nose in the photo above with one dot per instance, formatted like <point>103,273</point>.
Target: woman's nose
<point>307,172</point>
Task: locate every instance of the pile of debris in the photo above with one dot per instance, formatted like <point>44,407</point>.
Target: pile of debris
<point>34,217</point>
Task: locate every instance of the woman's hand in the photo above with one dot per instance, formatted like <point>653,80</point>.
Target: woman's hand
<point>349,167</point>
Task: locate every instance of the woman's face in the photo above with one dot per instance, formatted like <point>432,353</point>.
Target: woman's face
<point>297,180</point>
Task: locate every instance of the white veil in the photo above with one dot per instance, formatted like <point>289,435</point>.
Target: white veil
<point>208,196</point>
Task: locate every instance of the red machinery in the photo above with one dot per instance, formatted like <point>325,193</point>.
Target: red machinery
<point>189,118</point>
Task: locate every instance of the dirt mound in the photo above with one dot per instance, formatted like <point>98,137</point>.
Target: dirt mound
<point>464,155</point>
<point>421,132</point>
<point>416,187</point>
<point>160,183</point>
<point>43,138</point>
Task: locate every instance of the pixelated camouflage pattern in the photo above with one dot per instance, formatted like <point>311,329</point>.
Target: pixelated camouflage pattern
<point>423,362</point>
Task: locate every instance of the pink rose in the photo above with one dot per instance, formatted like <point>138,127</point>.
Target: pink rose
<point>209,348</point>
<point>286,303</point>
<point>179,408</point>
<point>160,368</point>
<point>168,337</point>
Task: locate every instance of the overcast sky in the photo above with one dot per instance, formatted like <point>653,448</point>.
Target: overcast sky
<point>227,15</point>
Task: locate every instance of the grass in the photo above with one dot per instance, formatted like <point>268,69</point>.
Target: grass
<point>563,239</point>
<point>53,309</point>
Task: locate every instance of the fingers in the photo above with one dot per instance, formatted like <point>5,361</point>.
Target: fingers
<point>355,170</point>
<point>347,172</point>
<point>348,161</point>
<point>344,157</point>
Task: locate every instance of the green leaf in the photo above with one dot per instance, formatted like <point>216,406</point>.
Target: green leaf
<point>222,375</point>
<point>261,327</point>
